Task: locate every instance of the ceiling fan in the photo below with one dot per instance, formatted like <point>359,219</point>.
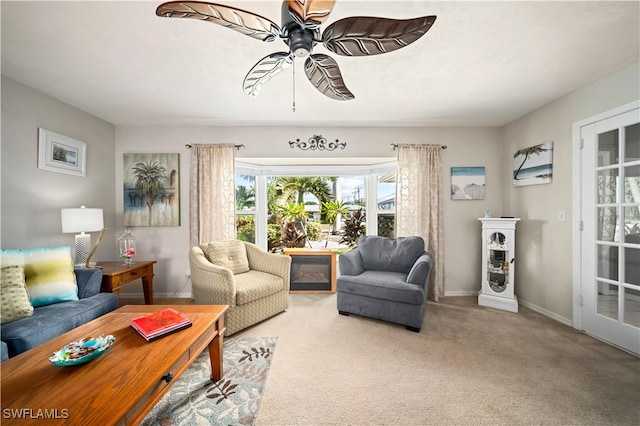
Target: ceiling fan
<point>300,30</point>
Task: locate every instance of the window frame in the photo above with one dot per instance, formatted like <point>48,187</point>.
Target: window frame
<point>261,172</point>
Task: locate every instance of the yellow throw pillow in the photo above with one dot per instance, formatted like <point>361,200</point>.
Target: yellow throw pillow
<point>48,273</point>
<point>230,254</point>
<point>14,299</point>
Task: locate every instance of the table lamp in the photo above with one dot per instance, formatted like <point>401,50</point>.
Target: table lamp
<point>82,221</point>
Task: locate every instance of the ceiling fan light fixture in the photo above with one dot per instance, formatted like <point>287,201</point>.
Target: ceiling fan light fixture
<point>300,31</point>
<point>301,43</point>
<point>301,52</point>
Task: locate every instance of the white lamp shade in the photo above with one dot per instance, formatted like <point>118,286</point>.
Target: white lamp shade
<point>81,220</point>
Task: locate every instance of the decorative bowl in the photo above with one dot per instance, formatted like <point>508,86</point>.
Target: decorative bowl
<point>84,350</point>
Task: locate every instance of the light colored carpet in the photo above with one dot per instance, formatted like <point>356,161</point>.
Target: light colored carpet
<point>469,365</point>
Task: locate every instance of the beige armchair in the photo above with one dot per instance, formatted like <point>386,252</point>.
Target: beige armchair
<point>253,282</point>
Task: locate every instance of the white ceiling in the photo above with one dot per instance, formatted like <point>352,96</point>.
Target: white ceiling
<point>481,64</point>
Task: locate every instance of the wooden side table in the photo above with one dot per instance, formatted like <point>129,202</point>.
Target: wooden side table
<point>114,274</point>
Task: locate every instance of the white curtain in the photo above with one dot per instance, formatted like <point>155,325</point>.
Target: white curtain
<point>212,194</point>
<point>419,204</point>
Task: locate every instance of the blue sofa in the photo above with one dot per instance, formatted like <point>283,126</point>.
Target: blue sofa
<point>385,279</point>
<point>51,321</point>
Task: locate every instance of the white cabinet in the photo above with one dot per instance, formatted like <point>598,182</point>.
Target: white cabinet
<point>498,264</point>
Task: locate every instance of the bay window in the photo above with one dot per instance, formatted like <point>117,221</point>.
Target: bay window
<point>370,187</point>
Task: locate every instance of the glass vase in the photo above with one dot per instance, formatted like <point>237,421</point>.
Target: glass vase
<point>127,245</point>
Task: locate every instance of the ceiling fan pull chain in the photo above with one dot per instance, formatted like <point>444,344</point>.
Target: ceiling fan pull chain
<point>294,83</point>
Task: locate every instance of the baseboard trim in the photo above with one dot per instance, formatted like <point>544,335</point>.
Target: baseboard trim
<point>546,313</point>
<point>532,306</point>
<point>459,293</point>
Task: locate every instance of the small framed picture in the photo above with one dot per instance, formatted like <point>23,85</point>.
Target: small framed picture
<point>62,154</point>
<point>533,165</point>
<point>467,183</point>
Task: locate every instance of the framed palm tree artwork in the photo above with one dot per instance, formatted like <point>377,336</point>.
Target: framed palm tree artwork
<point>151,189</point>
<point>533,165</point>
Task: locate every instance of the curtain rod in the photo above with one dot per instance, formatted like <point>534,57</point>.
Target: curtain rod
<point>395,145</point>
<point>238,147</point>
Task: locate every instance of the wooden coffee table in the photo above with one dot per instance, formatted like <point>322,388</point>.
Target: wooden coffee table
<point>119,387</point>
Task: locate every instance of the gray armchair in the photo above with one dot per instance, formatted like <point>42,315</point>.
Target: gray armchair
<point>386,279</point>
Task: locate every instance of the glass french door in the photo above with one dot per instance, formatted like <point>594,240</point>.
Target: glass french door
<point>610,247</point>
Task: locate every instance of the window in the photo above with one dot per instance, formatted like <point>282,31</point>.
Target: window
<point>367,187</point>
<point>386,204</point>
<point>245,207</point>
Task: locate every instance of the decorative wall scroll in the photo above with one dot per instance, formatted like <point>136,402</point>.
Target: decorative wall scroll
<point>317,142</point>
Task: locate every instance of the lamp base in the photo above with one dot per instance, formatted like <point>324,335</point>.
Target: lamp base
<point>83,245</point>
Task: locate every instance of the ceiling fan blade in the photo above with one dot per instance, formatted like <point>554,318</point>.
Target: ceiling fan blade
<point>267,68</point>
<point>310,13</point>
<point>323,72</point>
<point>364,36</point>
<point>247,23</point>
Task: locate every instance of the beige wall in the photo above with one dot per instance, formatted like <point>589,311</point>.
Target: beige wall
<point>466,147</point>
<point>543,247</point>
<point>32,198</point>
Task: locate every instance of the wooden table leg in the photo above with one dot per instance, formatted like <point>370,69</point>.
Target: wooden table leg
<point>216,352</point>
<point>147,288</point>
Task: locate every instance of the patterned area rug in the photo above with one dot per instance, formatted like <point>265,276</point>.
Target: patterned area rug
<point>233,400</point>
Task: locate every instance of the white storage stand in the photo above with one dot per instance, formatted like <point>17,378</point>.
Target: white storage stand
<point>498,264</point>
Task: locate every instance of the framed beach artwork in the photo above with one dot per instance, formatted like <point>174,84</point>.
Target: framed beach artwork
<point>533,165</point>
<point>467,183</point>
<point>151,188</point>
<point>62,154</point>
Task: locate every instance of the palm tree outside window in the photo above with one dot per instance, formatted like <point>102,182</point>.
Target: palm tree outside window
<point>356,186</point>
<point>245,207</point>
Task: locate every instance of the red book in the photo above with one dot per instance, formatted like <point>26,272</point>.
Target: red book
<point>158,324</point>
